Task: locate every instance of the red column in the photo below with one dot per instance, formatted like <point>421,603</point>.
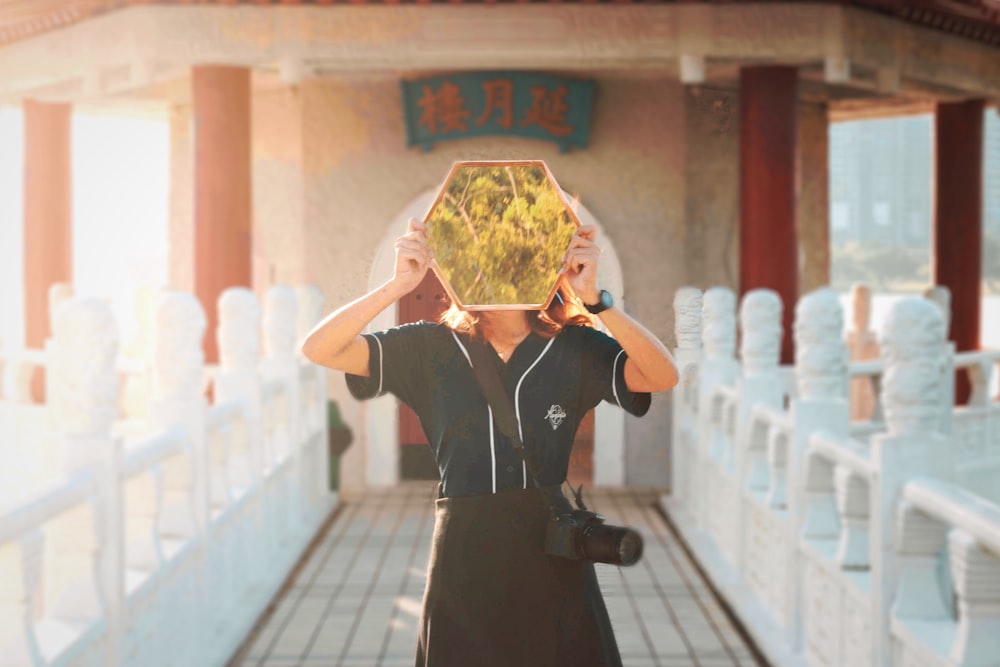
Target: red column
<point>768,238</point>
<point>958,220</point>
<point>48,222</point>
<point>222,190</point>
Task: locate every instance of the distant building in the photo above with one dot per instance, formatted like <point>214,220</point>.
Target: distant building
<point>881,180</point>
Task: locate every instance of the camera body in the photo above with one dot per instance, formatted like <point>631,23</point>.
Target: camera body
<point>582,535</point>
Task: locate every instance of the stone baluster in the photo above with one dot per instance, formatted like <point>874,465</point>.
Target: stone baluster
<point>281,364</point>
<point>84,551</point>
<point>920,540</point>
<point>760,383</point>
<point>853,503</point>
<point>940,296</point>
<point>862,345</point>
<point>976,573</point>
<point>819,502</point>
<point>238,337</point>
<point>178,399</point>
<point>310,313</point>
<point>777,459</point>
<point>718,367</point>
<point>821,376</point>
<point>21,572</point>
<point>915,356</point>
<point>280,347</point>
<point>687,354</point>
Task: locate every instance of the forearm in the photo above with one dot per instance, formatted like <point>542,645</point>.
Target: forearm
<point>650,365</point>
<point>334,342</point>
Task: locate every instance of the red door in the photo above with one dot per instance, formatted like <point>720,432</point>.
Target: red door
<point>427,302</point>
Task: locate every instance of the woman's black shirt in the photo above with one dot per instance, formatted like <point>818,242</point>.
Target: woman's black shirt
<point>552,384</point>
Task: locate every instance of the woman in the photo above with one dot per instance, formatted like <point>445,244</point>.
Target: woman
<point>493,596</point>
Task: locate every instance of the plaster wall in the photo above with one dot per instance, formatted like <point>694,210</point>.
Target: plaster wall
<point>180,234</point>
<point>813,214</point>
<point>358,175</point>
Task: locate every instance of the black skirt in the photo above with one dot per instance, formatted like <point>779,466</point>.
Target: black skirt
<point>495,599</point>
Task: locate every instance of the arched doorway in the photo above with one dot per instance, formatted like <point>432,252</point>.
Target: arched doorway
<point>603,462</point>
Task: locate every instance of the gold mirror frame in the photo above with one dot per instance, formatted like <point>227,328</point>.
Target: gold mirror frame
<point>498,230</point>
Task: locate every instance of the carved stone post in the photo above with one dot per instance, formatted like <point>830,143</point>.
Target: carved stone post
<point>310,312</point>
<point>940,296</point>
<point>238,339</point>
<point>687,331</point>
<point>759,383</point>
<point>718,367</point>
<point>178,399</point>
<point>912,344</point>
<point>821,404</point>
<point>920,540</point>
<point>87,542</point>
<point>976,573</point>
<point>281,364</point>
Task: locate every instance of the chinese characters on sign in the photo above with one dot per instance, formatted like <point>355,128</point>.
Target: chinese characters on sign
<point>512,103</point>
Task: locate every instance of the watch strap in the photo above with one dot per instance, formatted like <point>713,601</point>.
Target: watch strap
<point>603,303</point>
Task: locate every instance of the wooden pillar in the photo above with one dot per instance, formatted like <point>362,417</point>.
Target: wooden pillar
<point>958,220</point>
<point>48,220</point>
<point>768,240</point>
<point>222,189</point>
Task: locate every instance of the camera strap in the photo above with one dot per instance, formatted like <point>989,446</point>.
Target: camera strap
<point>488,377</point>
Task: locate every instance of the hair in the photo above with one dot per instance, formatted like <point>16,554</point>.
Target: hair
<point>562,311</point>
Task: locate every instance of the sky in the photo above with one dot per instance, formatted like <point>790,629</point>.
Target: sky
<point>120,209</point>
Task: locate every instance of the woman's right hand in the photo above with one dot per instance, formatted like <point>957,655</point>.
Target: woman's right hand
<point>413,256</point>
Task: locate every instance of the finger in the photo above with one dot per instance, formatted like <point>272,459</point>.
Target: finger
<point>414,254</point>
<point>587,232</point>
<point>578,259</point>
<point>413,246</point>
<point>415,225</point>
<point>415,236</point>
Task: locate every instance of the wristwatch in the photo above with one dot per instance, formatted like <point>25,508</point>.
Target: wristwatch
<point>603,303</point>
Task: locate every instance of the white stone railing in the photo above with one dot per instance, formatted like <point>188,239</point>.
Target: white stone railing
<point>166,548</point>
<point>791,506</point>
<point>947,605</point>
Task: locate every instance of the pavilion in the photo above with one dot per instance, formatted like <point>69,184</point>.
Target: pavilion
<point>304,134</point>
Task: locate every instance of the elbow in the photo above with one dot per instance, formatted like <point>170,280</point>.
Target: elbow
<point>309,350</point>
<point>669,378</point>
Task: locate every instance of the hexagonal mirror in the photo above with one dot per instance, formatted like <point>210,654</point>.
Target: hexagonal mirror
<point>498,231</point>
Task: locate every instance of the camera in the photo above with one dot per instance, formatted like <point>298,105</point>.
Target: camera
<point>583,535</point>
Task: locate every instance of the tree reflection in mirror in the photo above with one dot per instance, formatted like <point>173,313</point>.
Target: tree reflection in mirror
<point>498,231</point>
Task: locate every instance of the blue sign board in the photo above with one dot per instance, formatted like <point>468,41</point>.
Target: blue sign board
<point>522,104</point>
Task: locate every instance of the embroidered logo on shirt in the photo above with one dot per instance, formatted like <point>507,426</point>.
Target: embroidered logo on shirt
<point>555,416</point>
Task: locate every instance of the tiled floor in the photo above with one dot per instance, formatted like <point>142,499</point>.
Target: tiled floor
<point>355,601</point>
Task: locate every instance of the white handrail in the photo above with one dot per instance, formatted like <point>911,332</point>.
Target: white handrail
<point>842,451</point>
<point>46,505</point>
<point>956,507</point>
<point>150,451</point>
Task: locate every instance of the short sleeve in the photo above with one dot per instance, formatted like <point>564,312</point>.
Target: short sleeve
<point>603,374</point>
<point>395,363</point>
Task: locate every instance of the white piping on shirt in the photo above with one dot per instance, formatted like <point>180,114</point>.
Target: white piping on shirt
<point>517,405</point>
<point>380,358</point>
<point>493,449</point>
<point>614,378</point>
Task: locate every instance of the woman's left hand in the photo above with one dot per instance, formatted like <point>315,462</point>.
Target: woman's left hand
<point>580,264</point>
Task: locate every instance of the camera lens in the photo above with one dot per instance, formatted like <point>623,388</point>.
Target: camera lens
<point>612,544</point>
